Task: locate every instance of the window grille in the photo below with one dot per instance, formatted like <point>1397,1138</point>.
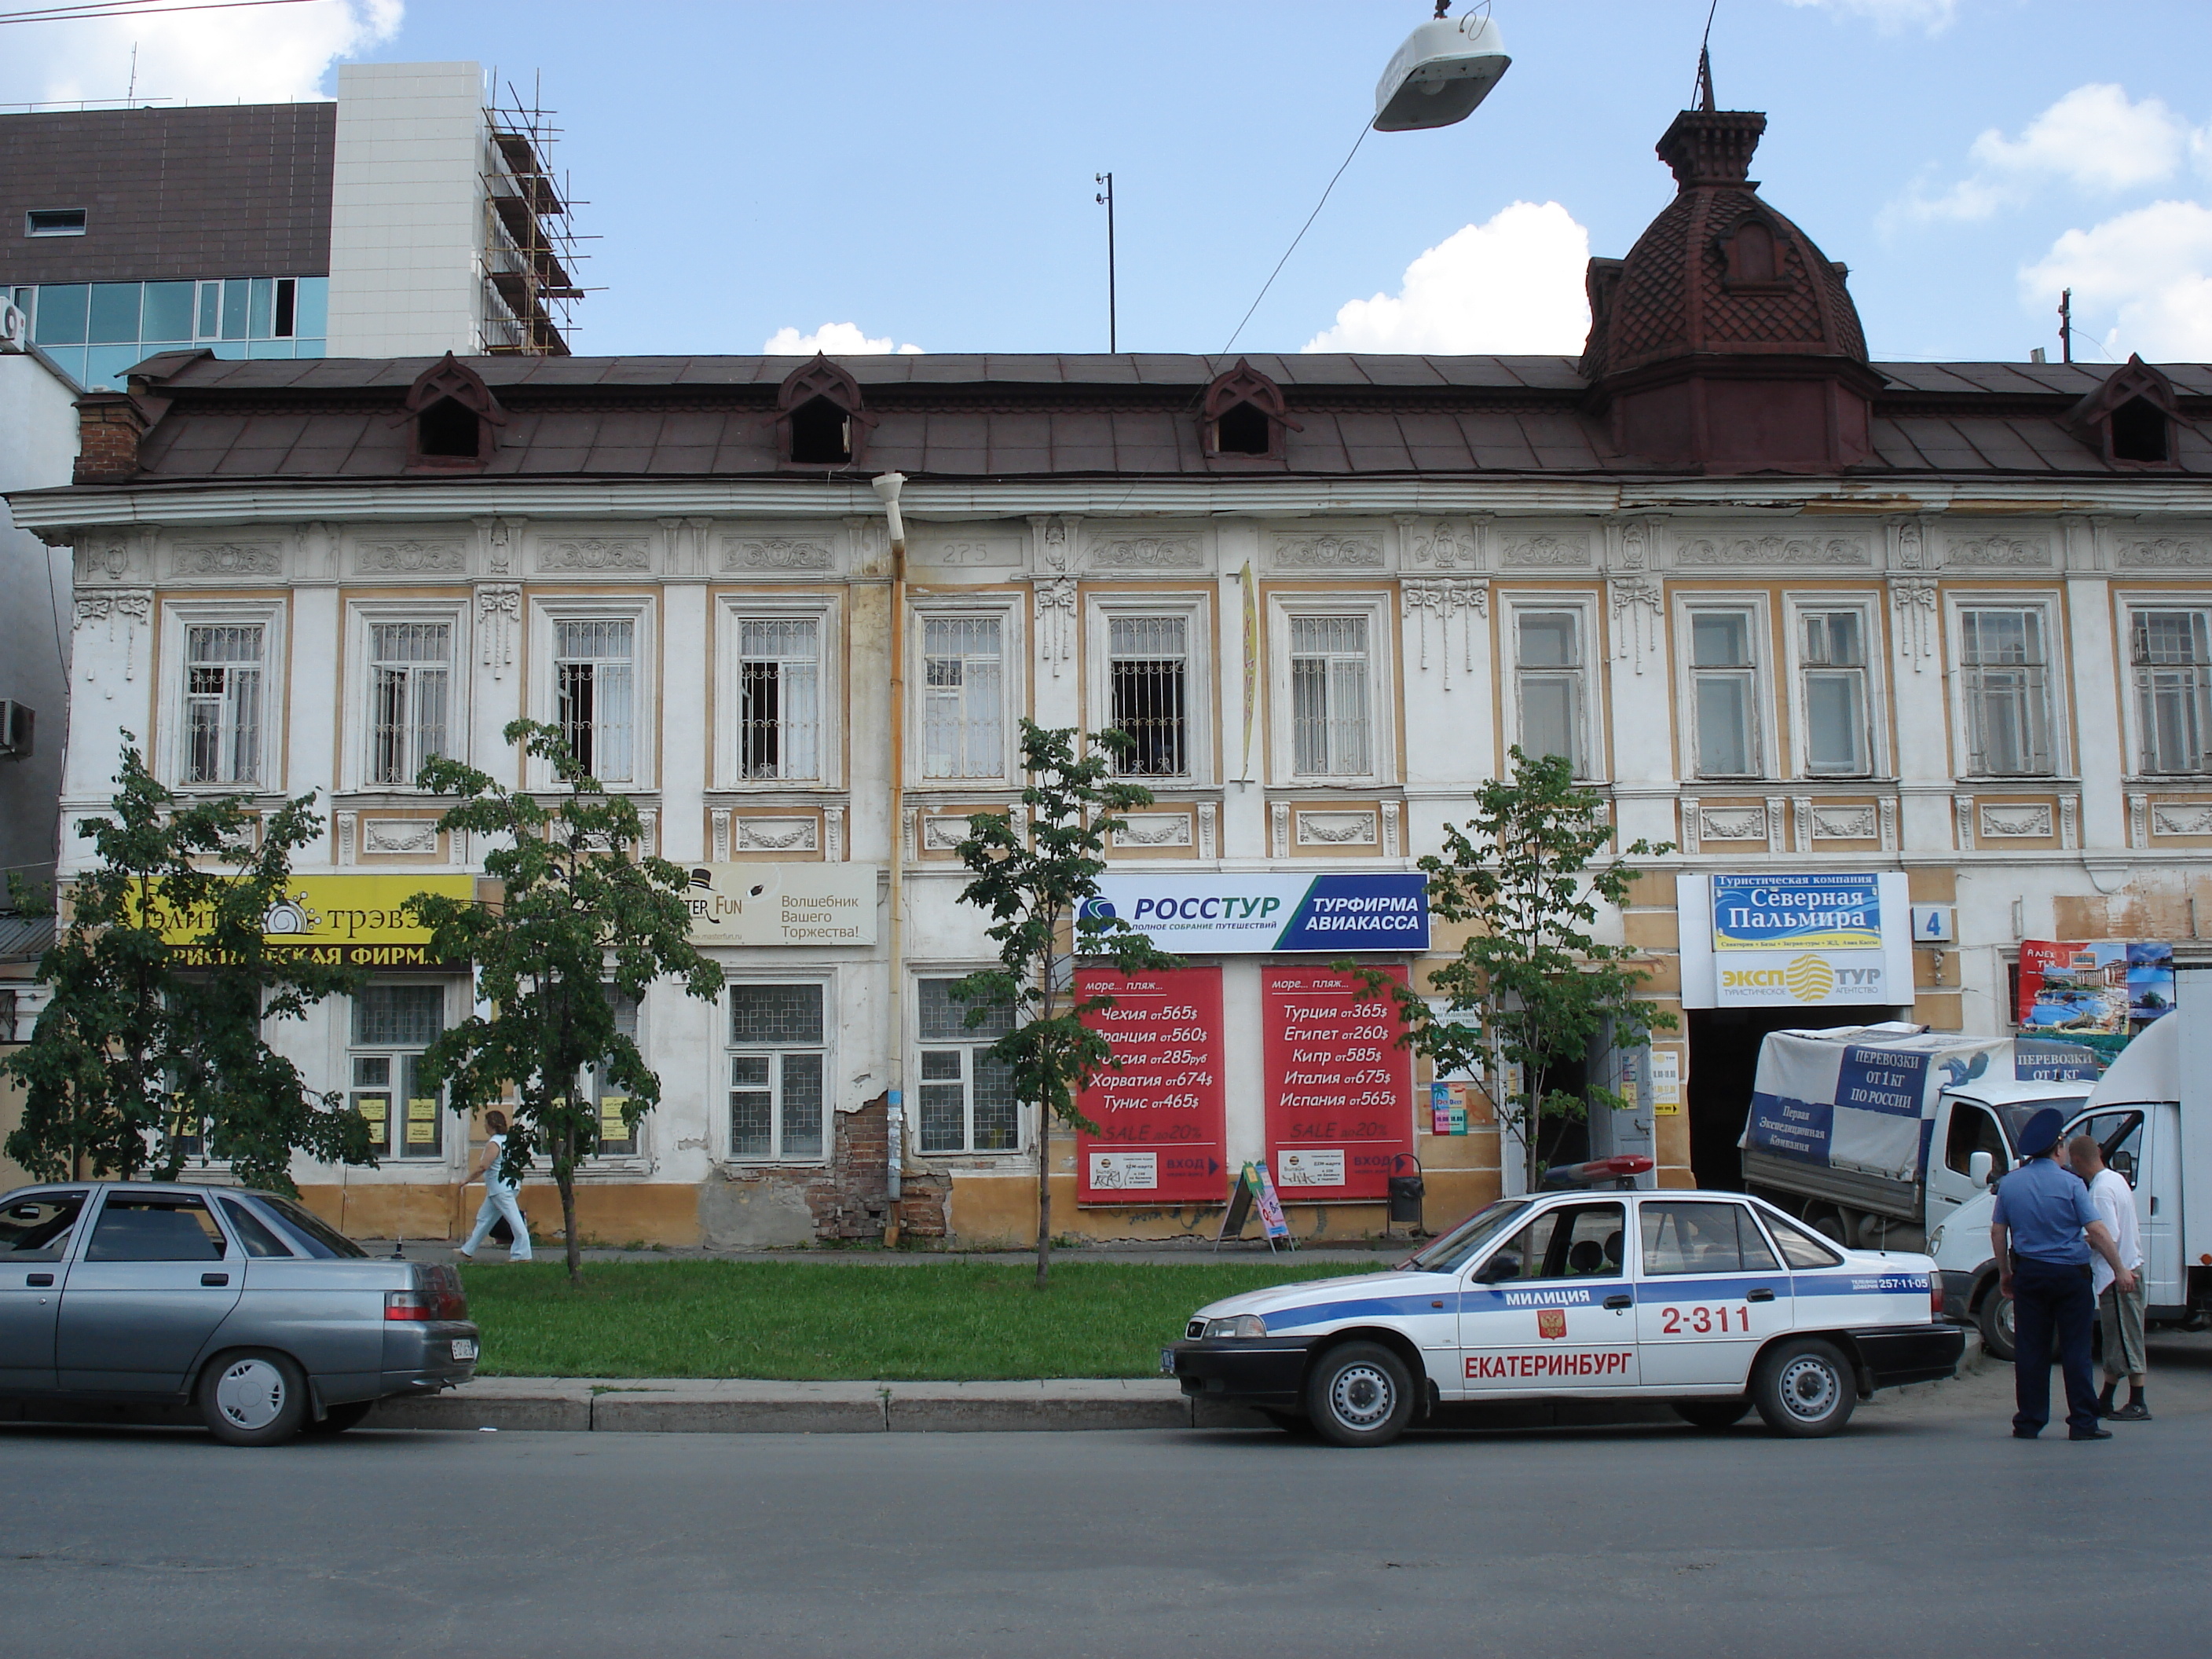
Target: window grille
<point>966,1096</point>
<point>1328,696</point>
<point>1833,668</point>
<point>778,697</point>
<point>410,670</point>
<point>594,684</point>
<point>393,1025</point>
<point>223,704</point>
<point>1549,666</point>
<point>1723,691</point>
<point>777,1098</point>
<point>2008,706</point>
<point>2173,689</point>
<point>1149,661</point>
<point>962,733</point>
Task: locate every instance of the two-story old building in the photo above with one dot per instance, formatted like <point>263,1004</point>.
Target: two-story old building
<point>1845,633</point>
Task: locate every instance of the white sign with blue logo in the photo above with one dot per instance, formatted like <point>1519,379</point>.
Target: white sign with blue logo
<point>1240,914</point>
<point>1790,940</point>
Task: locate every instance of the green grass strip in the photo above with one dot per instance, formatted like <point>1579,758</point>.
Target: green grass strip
<point>818,1322</point>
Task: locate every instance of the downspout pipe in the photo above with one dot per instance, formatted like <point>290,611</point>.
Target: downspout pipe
<point>887,487</point>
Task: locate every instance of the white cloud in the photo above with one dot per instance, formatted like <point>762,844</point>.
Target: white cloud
<point>2092,138</point>
<point>1513,284</point>
<point>2149,271</point>
<point>254,55</point>
<point>832,339</point>
<point>1892,17</point>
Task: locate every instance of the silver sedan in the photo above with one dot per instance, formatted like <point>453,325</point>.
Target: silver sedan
<point>244,1304</point>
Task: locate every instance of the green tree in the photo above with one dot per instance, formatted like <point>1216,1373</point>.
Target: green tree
<point>1524,876</point>
<point>1036,891</point>
<point>579,920</point>
<point>151,1046</point>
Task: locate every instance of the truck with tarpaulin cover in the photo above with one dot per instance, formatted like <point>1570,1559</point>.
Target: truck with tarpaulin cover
<point>1873,1134</point>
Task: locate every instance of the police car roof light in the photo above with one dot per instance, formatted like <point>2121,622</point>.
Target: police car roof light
<point>1620,1170</point>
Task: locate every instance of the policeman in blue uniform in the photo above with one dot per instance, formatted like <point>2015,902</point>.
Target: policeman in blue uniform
<point>2042,1232</point>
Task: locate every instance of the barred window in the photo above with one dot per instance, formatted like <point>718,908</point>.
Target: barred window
<point>2008,693</point>
<point>1149,663</point>
<point>961,724</point>
<point>223,673</point>
<point>1724,686</point>
<point>393,1025</point>
<point>2173,689</point>
<point>779,696</point>
<point>966,1097</point>
<point>1548,675</point>
<point>779,1105</point>
<point>1328,696</point>
<point>411,675</point>
<point>594,668</point>
<point>1833,669</point>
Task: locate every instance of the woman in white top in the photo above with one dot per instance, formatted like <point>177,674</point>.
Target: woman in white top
<point>499,1195</point>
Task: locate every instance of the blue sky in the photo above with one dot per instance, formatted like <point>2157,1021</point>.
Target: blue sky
<point>923,172</point>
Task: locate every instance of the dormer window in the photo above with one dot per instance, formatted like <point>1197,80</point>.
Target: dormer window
<point>452,419</point>
<point>1754,259</point>
<point>1241,415</point>
<point>820,418</point>
<point>2130,420</point>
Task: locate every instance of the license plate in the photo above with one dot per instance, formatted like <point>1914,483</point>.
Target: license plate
<point>1167,1362</point>
<point>465,1348</point>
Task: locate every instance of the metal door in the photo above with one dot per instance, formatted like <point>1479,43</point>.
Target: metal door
<point>1710,1289</point>
<point>2158,1204</point>
<point>147,1292</point>
<point>1549,1310</point>
<point>35,1234</point>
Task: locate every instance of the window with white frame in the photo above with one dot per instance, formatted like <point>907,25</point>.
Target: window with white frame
<point>393,1025</point>
<point>1724,694</point>
<point>963,691</point>
<point>410,669</point>
<point>966,1097</point>
<point>1331,732</point>
<point>2171,658</point>
<point>2006,684</point>
<point>225,680</point>
<point>780,698</point>
<point>595,693</point>
<point>778,1060</point>
<point>1832,668</point>
<point>1148,681</point>
<point>617,1137</point>
<point>1549,682</point>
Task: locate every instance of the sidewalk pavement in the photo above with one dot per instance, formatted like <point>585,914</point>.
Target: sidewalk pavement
<point>708,1406</point>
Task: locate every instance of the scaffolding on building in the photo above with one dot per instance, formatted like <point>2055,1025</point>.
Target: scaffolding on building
<point>530,245</point>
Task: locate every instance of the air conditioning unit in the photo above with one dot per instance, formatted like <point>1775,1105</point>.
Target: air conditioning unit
<point>15,721</point>
<point>14,328</point>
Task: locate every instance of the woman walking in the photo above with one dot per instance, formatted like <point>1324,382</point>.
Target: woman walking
<point>499,1195</point>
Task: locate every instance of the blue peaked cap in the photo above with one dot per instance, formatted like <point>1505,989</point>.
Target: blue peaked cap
<point>2040,1133</point>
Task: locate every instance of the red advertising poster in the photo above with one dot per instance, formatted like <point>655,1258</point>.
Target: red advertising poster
<point>1160,1116</point>
<point>1339,1091</point>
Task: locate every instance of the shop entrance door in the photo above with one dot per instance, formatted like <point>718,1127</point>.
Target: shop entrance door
<point>1724,1061</point>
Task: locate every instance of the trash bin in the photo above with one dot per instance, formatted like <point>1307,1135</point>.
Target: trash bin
<point>1406,1193</point>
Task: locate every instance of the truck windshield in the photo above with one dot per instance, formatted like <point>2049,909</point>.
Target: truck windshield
<point>2016,1113</point>
<point>1449,1253</point>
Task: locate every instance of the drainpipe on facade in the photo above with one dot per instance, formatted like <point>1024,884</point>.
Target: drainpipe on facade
<point>887,490</point>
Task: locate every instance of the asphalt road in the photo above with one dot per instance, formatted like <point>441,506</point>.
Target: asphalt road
<point>1925,1530</point>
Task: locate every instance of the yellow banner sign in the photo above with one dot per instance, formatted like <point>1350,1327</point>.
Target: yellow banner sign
<point>360,921</point>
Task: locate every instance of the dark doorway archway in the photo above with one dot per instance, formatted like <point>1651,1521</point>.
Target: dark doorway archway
<point>1725,1062</point>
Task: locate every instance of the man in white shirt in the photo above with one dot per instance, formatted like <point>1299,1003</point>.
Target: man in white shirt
<point>2121,1312</point>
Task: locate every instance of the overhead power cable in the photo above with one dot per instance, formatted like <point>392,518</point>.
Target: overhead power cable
<point>90,11</point>
<point>1365,127</point>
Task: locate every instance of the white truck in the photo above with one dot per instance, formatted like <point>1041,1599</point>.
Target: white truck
<point>2152,1113</point>
<point>1875,1135</point>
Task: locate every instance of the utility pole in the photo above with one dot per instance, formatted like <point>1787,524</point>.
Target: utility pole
<point>2066,326</point>
<point>1112,332</point>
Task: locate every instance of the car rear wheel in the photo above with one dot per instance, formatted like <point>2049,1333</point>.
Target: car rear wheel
<point>1804,1388</point>
<point>1712,1414</point>
<point>253,1398</point>
<point>1360,1394</point>
<point>1995,1318</point>
<point>337,1419</point>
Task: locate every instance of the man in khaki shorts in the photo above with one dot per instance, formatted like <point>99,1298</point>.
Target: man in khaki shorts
<point>2120,1312</point>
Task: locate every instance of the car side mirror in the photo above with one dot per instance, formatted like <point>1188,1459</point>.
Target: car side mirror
<point>1497,1269</point>
<point>1979,1168</point>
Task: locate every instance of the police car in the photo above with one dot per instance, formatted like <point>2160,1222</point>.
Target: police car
<point>1714,1302</point>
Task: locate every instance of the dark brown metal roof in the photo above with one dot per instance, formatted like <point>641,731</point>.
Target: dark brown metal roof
<point>990,415</point>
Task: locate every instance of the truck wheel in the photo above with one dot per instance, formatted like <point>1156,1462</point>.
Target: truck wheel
<point>1832,1225</point>
<point>1712,1414</point>
<point>1804,1388</point>
<point>1360,1394</point>
<point>1994,1316</point>
<point>255,1397</point>
<point>338,1418</point>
